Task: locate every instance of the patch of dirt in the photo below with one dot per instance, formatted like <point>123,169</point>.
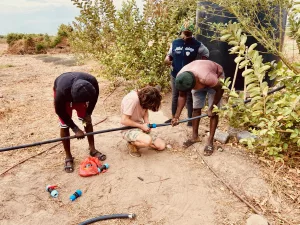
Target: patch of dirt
<point>177,186</point>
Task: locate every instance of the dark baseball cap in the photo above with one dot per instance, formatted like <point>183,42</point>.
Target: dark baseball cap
<point>185,81</point>
<point>82,91</point>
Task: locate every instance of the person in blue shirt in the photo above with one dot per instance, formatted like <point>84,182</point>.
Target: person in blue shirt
<point>183,51</point>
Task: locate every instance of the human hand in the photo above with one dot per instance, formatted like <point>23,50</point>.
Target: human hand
<point>174,122</point>
<point>145,127</point>
<point>79,134</point>
<point>210,112</point>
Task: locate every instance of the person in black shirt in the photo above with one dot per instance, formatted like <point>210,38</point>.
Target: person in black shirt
<point>79,91</point>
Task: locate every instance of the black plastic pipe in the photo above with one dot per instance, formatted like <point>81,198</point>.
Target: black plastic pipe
<point>108,217</point>
<point>115,129</point>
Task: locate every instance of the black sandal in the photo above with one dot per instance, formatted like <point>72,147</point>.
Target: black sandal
<point>69,168</point>
<point>190,142</point>
<point>208,150</point>
<point>98,155</point>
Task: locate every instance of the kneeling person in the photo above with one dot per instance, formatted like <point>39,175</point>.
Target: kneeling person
<point>134,108</point>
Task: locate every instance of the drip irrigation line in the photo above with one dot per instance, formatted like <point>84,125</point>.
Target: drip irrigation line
<point>114,129</point>
<point>108,217</point>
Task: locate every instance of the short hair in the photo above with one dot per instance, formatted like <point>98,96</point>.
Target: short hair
<point>150,98</point>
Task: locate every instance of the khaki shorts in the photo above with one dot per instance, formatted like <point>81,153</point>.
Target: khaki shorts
<point>132,134</point>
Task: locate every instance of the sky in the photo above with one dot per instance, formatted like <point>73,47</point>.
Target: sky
<point>38,16</point>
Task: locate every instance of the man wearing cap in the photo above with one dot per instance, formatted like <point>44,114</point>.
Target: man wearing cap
<point>202,77</point>
<point>79,91</point>
<point>183,51</point>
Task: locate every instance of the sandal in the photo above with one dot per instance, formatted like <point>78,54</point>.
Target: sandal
<point>208,150</point>
<point>190,142</point>
<point>69,168</point>
<point>133,151</point>
<point>98,155</point>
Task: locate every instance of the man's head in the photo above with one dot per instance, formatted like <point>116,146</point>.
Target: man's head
<point>187,29</point>
<point>82,91</point>
<point>185,81</point>
<point>150,98</point>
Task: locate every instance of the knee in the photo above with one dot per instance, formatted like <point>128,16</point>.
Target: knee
<point>160,145</point>
<point>147,140</point>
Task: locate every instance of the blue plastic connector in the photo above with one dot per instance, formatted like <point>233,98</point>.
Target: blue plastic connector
<point>76,195</point>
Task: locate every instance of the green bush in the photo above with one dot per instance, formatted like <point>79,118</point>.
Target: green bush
<point>130,44</point>
<point>274,119</point>
<point>11,37</point>
<point>40,47</point>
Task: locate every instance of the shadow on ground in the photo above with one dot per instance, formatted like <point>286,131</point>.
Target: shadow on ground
<point>70,61</point>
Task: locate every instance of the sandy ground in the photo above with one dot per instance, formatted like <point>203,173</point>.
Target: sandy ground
<point>176,187</point>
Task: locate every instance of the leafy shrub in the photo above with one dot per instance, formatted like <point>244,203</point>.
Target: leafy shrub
<point>40,47</point>
<point>129,44</point>
<point>11,37</point>
<point>274,119</point>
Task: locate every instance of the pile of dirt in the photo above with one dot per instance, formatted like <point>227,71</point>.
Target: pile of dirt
<point>35,46</point>
<point>62,47</point>
<point>28,46</point>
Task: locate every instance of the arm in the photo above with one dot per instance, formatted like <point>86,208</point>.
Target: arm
<point>146,117</point>
<point>169,58</point>
<point>127,121</point>
<point>203,52</point>
<point>217,97</point>
<point>180,105</point>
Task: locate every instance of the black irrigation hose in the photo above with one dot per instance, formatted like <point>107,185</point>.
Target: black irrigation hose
<point>108,217</point>
<point>115,129</point>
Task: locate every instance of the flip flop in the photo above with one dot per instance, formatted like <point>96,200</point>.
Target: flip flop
<point>190,142</point>
<point>69,168</point>
<point>98,155</point>
<point>208,150</point>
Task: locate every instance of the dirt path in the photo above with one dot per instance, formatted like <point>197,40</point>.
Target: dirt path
<point>177,187</point>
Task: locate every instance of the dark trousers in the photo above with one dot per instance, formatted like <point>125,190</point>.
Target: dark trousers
<point>175,95</point>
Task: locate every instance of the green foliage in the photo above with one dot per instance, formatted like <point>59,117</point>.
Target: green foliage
<point>40,47</point>
<point>263,20</point>
<point>274,119</point>
<point>294,24</point>
<point>129,44</point>
<point>11,37</point>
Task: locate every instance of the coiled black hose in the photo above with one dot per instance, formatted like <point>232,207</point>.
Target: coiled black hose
<point>108,217</point>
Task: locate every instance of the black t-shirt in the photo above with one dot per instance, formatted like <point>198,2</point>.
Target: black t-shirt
<point>62,87</point>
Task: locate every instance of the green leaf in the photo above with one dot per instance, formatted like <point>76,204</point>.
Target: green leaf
<point>243,64</point>
<point>225,37</point>
<point>234,49</point>
<point>238,59</point>
<point>265,91</point>
<point>243,39</point>
<point>264,68</point>
<point>250,49</point>
<point>249,81</point>
<point>233,94</point>
<point>247,71</point>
